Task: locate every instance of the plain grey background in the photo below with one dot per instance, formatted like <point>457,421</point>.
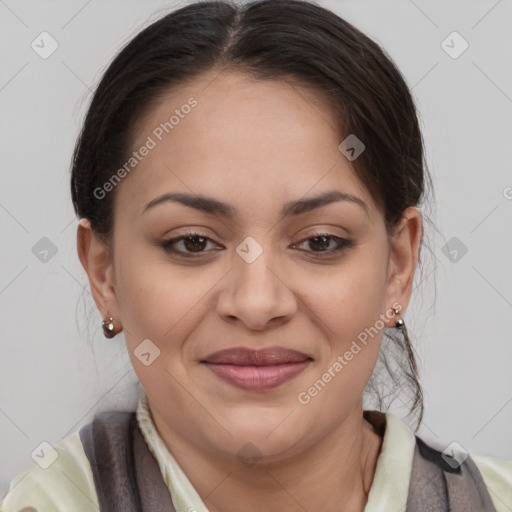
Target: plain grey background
<point>57,370</point>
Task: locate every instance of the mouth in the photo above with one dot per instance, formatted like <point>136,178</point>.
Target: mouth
<point>257,369</point>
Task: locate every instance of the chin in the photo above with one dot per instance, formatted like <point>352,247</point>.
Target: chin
<point>269,440</point>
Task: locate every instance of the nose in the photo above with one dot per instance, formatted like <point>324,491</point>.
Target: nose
<point>256,294</point>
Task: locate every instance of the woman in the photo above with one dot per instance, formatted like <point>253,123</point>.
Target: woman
<point>248,181</point>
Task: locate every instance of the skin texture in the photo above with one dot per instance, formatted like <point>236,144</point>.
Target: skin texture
<point>256,145</point>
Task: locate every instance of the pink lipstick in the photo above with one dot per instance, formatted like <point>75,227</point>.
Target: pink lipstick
<point>257,369</point>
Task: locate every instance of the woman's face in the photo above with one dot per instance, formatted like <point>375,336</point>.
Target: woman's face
<point>260,277</point>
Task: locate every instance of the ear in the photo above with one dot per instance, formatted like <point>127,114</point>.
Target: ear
<point>97,262</point>
<point>403,258</point>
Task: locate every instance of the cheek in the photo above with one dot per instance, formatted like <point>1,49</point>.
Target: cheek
<point>349,307</point>
<point>159,300</point>
<point>350,300</point>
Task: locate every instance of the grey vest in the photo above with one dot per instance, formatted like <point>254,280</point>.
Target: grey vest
<point>128,479</point>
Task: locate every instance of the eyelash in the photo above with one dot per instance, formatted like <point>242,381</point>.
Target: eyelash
<point>343,244</point>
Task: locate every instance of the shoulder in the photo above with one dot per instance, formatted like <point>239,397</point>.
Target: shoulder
<point>60,481</point>
<point>497,475</point>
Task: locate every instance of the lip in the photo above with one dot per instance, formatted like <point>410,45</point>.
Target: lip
<point>257,369</point>
<point>242,356</point>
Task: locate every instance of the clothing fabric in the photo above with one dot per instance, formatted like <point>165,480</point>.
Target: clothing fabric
<point>126,474</point>
<point>68,483</point>
<point>128,479</point>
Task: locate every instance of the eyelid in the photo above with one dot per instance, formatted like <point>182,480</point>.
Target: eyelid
<point>167,243</point>
<point>343,244</point>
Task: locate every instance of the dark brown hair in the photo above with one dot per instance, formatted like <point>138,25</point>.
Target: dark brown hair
<point>266,39</point>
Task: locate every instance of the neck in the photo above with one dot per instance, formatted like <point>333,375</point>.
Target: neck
<point>333,474</point>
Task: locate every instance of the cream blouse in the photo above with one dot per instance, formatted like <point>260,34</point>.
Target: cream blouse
<point>68,483</point>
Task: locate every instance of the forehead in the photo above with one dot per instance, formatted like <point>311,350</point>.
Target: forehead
<point>225,134</point>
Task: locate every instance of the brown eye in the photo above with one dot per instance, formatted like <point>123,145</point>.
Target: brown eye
<point>194,243</point>
<point>326,243</point>
<point>320,243</point>
<point>191,243</point>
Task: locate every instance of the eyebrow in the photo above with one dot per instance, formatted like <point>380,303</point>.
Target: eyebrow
<point>215,207</point>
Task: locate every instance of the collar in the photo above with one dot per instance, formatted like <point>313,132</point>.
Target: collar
<point>390,484</point>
